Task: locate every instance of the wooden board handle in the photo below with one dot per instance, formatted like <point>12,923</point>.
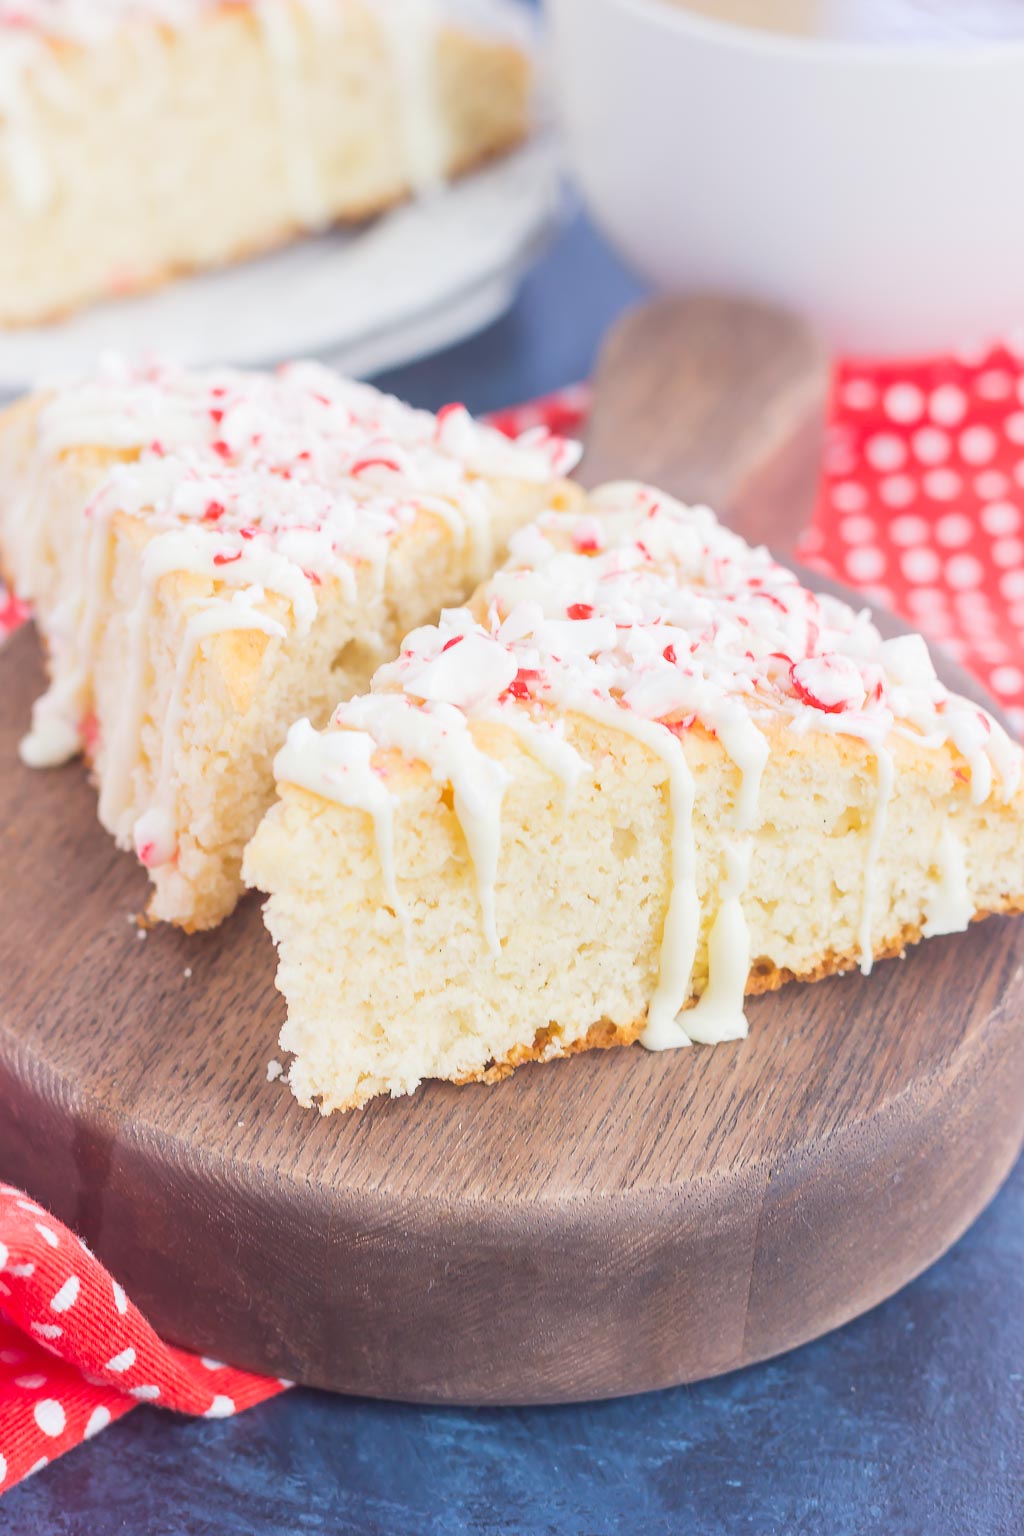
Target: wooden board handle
<point>715,400</point>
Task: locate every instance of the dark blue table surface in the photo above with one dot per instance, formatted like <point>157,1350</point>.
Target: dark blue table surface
<point>907,1422</point>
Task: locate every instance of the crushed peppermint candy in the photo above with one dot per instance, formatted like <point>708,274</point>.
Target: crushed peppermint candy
<point>276,482</point>
<point>673,618</point>
<point>831,683</point>
<point>321,468</point>
<point>651,619</point>
<point>268,486</point>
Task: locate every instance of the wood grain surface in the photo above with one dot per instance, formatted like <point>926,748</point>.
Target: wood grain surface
<point>603,1225</point>
<point>717,401</point>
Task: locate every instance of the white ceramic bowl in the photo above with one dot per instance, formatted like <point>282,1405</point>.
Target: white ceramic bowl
<point>877,189</point>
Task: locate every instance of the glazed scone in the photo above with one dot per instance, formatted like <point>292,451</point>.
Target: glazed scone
<point>210,555</point>
<point>643,774</point>
<point>144,138</point>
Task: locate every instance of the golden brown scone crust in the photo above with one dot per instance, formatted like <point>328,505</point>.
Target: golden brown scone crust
<point>764,977</point>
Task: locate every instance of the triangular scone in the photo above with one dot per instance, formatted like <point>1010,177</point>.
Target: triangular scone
<point>209,555</point>
<point>646,769</point>
<point>143,138</point>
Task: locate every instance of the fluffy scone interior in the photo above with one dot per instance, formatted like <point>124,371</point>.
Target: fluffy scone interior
<point>581,901</point>
<point>835,862</point>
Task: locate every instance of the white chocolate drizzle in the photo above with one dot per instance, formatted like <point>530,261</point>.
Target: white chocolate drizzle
<point>21,156</point>
<point>260,487</point>
<point>54,736</point>
<point>337,765</point>
<point>439,735</point>
<point>29,65</point>
<point>949,908</point>
<point>243,611</point>
<point>309,203</point>
<point>883,794</point>
<point>651,619</point>
<point>411,28</point>
<point>719,1013</point>
<point>681,932</point>
<point>545,741</point>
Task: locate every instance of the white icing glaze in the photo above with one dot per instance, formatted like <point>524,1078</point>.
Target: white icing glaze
<point>411,28</point>
<point>651,619</point>
<point>54,735</point>
<point>208,618</point>
<point>545,741</point>
<point>718,1014</point>
<point>682,919</point>
<point>21,156</point>
<point>28,65</point>
<point>309,202</point>
<point>949,908</point>
<point>439,734</point>
<point>253,484</point>
<point>155,838</point>
<point>338,766</point>
<point>884,777</point>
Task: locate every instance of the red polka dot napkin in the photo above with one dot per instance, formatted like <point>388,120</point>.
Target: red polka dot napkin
<point>922,505</point>
<point>75,1354</point>
<point>922,508</point>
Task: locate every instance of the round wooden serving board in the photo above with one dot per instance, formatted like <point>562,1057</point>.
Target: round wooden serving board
<point>604,1225</point>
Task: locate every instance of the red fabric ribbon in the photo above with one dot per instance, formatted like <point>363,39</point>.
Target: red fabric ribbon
<point>922,508</point>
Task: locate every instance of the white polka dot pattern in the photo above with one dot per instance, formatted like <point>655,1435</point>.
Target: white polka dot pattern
<point>924,494</point>
<point>62,1382</point>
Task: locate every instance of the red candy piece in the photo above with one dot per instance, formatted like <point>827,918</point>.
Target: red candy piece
<point>362,465</point>
<point>90,729</point>
<point>830,683</point>
<point>519,687</point>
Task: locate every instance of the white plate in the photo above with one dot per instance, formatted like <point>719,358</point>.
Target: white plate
<point>413,281</point>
